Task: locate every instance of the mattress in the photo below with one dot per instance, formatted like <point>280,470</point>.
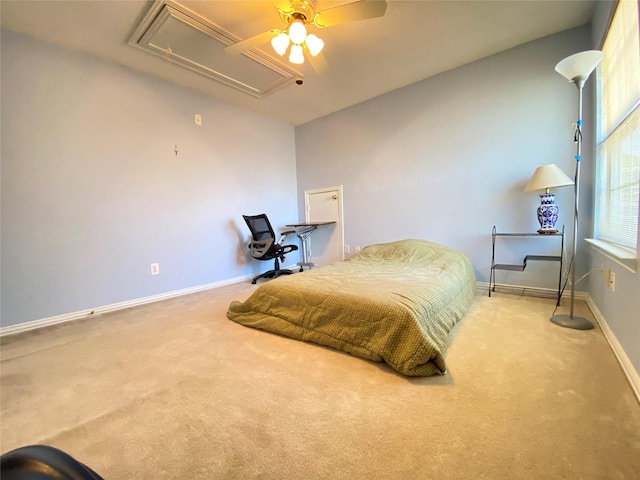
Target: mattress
<point>392,302</point>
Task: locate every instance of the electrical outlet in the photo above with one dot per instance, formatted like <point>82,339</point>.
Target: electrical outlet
<point>198,120</point>
<point>612,280</point>
<point>357,249</point>
<point>155,268</point>
<point>347,249</point>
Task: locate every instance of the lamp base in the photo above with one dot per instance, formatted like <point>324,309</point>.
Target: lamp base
<point>548,213</point>
<point>567,321</point>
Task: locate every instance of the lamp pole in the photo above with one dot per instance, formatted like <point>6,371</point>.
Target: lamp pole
<point>571,321</point>
<point>577,201</point>
<point>576,188</point>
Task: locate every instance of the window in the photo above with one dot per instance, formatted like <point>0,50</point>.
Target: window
<point>618,164</point>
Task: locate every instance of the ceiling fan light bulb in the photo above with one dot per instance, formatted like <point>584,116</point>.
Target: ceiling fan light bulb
<point>280,43</point>
<point>296,55</point>
<point>297,32</point>
<point>314,44</point>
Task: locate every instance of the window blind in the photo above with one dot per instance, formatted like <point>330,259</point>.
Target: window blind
<point>620,67</point>
<point>618,168</point>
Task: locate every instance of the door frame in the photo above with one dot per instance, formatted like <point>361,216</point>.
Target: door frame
<point>340,220</point>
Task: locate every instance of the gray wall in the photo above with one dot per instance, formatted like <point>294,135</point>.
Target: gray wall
<point>93,193</point>
<point>447,158</point>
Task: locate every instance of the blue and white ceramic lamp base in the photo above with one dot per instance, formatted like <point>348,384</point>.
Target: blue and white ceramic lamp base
<point>547,214</point>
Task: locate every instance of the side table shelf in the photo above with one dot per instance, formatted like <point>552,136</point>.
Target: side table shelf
<point>520,267</point>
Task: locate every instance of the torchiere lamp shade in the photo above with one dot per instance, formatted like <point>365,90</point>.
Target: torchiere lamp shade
<point>579,66</point>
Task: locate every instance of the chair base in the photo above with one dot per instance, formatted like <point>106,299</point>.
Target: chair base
<point>40,462</point>
<point>272,274</point>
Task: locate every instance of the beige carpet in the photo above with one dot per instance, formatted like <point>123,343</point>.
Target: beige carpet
<point>175,390</point>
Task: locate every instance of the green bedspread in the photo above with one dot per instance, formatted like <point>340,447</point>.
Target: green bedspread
<point>393,302</point>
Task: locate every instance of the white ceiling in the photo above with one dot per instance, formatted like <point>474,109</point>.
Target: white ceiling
<point>414,40</point>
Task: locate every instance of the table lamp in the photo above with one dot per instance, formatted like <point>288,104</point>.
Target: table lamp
<point>545,178</point>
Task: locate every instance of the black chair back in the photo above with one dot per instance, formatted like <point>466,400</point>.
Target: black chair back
<point>264,238</point>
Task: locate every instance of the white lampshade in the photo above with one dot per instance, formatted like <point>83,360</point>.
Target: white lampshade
<point>296,55</point>
<point>314,44</point>
<point>280,43</point>
<point>297,32</point>
<point>548,176</point>
<point>579,66</point>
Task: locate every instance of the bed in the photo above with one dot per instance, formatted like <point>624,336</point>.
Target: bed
<point>394,302</point>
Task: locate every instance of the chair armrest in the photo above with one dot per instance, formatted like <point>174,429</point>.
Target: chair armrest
<point>288,248</point>
<point>284,235</point>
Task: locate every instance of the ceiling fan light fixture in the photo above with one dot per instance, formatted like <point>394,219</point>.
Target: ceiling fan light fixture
<point>296,54</point>
<point>314,44</point>
<point>280,43</point>
<point>296,15</point>
<point>297,32</point>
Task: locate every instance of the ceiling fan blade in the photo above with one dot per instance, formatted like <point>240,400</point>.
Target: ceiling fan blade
<point>318,63</point>
<point>251,42</point>
<point>351,12</point>
<point>283,5</point>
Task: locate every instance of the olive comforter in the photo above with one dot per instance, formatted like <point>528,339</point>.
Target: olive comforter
<point>393,302</point>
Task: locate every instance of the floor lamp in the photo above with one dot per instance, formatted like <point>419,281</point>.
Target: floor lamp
<point>577,68</point>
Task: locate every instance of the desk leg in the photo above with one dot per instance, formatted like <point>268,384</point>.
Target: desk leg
<point>303,235</point>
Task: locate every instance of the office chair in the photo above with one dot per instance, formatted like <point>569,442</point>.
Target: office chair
<point>263,245</point>
<point>42,462</point>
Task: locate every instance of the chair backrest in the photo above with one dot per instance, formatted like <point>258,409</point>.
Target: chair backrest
<point>259,226</point>
<point>264,238</point>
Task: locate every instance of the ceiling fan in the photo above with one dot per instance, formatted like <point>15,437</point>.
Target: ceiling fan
<point>297,15</point>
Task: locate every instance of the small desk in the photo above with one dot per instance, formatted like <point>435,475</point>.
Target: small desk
<point>303,231</point>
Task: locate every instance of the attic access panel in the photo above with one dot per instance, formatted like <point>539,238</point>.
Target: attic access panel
<point>175,33</point>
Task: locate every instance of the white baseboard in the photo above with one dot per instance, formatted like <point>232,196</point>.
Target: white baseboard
<point>627,367</point>
<point>482,288</point>
<point>68,317</point>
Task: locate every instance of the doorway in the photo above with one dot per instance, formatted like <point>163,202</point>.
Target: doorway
<point>326,244</point>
